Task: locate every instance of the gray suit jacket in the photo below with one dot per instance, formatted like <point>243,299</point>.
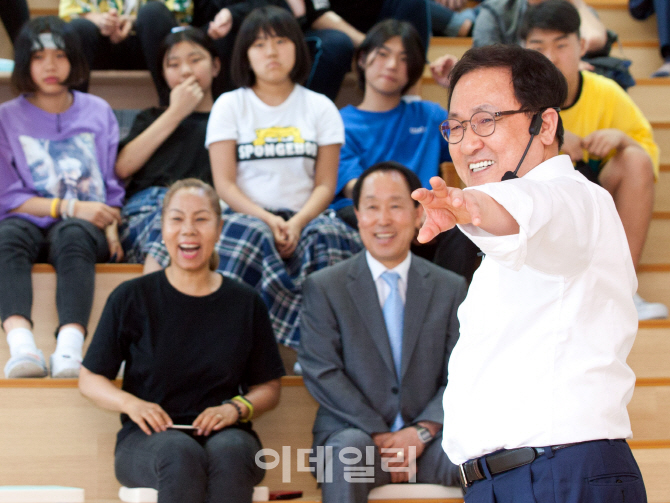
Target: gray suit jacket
<point>345,352</point>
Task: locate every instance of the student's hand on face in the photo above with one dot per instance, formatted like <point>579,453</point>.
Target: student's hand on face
<point>572,146</point>
<point>445,207</point>
<point>123,29</point>
<point>602,142</point>
<point>441,68</point>
<point>220,25</point>
<point>150,417</point>
<point>99,214</point>
<point>215,418</point>
<point>184,97</point>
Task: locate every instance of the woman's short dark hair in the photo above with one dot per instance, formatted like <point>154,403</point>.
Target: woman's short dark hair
<point>272,22</point>
<point>184,34</point>
<point>379,34</point>
<point>551,15</point>
<point>537,83</point>
<point>28,41</point>
<point>412,179</point>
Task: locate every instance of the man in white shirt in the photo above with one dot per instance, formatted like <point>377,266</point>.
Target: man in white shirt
<point>538,383</point>
<point>376,334</point>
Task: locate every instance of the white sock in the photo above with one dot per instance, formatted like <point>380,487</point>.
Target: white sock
<point>70,341</point>
<point>21,341</point>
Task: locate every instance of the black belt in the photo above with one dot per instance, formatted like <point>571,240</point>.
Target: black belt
<point>472,471</point>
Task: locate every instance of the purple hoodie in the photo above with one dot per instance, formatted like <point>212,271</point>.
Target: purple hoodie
<point>69,155</point>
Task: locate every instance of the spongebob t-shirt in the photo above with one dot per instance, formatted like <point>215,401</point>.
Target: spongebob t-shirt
<point>276,145</point>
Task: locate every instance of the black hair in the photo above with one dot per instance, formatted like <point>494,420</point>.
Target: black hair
<point>537,83</point>
<point>411,42</point>
<point>412,180</point>
<point>28,40</point>
<point>186,34</point>
<point>551,15</point>
<point>272,22</point>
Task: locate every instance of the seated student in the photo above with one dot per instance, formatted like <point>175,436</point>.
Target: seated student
<point>388,127</point>
<point>377,333</point>
<point>331,50</point>
<point>606,134</point>
<point>199,351</point>
<point>125,35</point>
<point>59,196</point>
<point>499,20</point>
<point>274,147</point>
<point>14,13</point>
<point>167,144</point>
<point>642,9</point>
<point>448,19</point>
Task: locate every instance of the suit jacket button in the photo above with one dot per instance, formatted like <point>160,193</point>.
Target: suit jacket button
<point>394,390</point>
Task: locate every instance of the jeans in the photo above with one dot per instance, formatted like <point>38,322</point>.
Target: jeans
<point>72,246</point>
<point>190,469</point>
<point>137,52</point>
<point>14,14</point>
<point>332,52</point>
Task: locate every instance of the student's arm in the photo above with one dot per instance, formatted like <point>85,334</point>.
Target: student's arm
<point>325,179</point>
<point>102,392</point>
<point>331,21</point>
<point>99,214</point>
<point>183,100</point>
<point>224,173</point>
<point>263,397</point>
<point>591,29</point>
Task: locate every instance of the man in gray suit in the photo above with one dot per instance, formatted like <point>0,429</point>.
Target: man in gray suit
<point>377,331</point>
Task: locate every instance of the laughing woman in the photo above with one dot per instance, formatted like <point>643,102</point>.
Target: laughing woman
<point>199,353</point>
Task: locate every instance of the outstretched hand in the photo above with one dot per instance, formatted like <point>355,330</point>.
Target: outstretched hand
<point>444,208</point>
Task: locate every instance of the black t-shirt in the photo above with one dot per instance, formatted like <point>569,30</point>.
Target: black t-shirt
<point>184,353</point>
<point>182,155</point>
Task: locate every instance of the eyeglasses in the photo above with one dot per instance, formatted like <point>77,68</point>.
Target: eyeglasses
<point>483,124</point>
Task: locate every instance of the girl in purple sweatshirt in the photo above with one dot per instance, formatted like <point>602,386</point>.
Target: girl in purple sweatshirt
<point>59,196</point>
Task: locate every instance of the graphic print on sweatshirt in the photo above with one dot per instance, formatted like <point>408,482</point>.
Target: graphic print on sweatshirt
<point>65,168</point>
<point>277,142</point>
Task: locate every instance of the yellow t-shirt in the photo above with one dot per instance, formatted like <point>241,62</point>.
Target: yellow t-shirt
<point>602,104</point>
<point>68,9</point>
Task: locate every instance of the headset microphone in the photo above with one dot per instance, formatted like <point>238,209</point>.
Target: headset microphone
<point>534,130</point>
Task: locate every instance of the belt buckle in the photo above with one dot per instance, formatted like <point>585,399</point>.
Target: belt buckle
<point>464,477</point>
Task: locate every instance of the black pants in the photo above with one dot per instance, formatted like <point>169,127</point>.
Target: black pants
<point>72,246</point>
<point>14,14</point>
<point>137,52</point>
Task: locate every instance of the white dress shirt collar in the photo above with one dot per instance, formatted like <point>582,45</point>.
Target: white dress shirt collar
<point>377,269</point>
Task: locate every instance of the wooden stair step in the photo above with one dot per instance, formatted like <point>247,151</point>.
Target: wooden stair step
<point>649,356</point>
<point>654,285</point>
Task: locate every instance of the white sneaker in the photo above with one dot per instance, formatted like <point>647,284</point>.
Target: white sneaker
<point>649,310</point>
<point>64,366</point>
<point>26,365</point>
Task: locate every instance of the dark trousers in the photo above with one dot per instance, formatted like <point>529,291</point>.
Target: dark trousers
<point>332,52</point>
<point>137,52</point>
<point>71,246</point>
<point>416,12</point>
<point>14,13</point>
<point>187,469</point>
<point>642,9</point>
<point>602,471</point>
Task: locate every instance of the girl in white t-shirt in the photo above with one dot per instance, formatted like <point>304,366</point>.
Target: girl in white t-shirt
<point>274,149</point>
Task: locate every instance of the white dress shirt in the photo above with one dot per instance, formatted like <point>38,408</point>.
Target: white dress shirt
<point>383,289</point>
<point>547,323</point>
